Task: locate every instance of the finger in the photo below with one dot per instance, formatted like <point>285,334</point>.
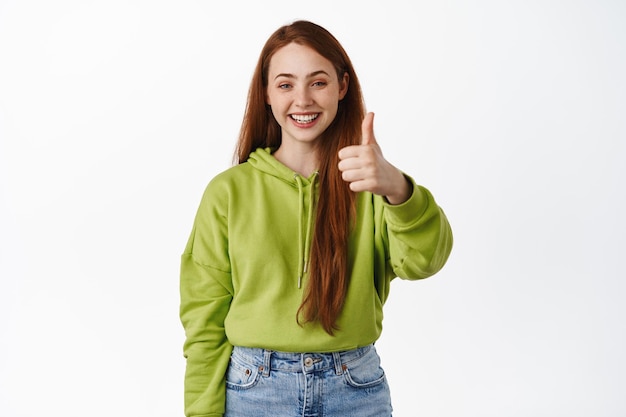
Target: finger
<point>351,175</point>
<point>349,152</point>
<point>367,130</point>
<point>360,185</point>
<point>349,164</point>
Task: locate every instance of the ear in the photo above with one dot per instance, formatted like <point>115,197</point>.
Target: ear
<point>343,85</point>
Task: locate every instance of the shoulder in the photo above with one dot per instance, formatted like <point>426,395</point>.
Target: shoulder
<point>232,176</point>
<point>235,180</point>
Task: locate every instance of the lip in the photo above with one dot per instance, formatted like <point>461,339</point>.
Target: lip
<point>305,124</point>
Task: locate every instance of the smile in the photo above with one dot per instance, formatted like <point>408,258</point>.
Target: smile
<point>304,118</point>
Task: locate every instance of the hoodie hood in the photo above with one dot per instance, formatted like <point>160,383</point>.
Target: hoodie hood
<point>263,160</point>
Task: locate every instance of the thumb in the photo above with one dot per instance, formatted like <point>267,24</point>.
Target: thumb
<point>367,130</point>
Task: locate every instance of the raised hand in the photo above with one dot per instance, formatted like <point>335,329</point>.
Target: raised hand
<point>365,168</point>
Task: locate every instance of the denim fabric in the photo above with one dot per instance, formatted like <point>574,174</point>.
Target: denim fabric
<point>262,383</point>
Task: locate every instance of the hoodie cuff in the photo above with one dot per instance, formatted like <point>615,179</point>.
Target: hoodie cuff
<point>412,209</point>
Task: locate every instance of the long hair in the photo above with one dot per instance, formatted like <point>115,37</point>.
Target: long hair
<point>329,267</point>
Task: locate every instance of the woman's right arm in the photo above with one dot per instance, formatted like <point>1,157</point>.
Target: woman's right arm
<point>206,292</point>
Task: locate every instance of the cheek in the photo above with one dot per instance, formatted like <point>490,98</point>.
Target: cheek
<point>277,113</point>
<point>277,101</point>
<point>332,107</point>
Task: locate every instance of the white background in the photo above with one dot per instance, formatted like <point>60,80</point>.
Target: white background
<point>115,114</point>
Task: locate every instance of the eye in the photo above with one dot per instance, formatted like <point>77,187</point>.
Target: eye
<point>284,86</point>
<point>319,84</point>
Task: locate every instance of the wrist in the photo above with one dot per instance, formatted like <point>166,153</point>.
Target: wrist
<point>403,192</point>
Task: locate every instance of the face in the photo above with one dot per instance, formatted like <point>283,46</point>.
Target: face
<point>304,93</point>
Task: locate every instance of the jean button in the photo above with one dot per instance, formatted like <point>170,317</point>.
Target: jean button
<point>308,362</point>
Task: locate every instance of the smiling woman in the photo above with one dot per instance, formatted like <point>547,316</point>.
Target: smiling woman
<point>293,250</point>
<point>303,102</point>
<point>113,114</point>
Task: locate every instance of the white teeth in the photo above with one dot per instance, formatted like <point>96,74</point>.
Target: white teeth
<point>304,118</point>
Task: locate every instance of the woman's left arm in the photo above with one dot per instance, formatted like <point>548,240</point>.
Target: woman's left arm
<point>419,237</point>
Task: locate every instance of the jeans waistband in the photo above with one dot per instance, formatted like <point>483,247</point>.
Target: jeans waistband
<point>270,360</point>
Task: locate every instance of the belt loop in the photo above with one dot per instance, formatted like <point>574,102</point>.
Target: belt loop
<point>265,368</point>
<point>337,361</point>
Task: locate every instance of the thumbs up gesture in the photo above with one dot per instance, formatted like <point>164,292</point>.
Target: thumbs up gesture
<point>365,168</point>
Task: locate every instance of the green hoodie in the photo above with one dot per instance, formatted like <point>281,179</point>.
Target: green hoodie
<point>243,271</point>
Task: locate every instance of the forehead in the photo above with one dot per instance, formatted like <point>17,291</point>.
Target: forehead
<point>298,60</point>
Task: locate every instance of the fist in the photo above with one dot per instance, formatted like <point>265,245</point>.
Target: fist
<point>365,169</point>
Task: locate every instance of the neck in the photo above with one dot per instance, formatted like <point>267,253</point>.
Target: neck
<point>304,162</point>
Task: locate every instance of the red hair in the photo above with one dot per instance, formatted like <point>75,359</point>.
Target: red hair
<point>328,270</point>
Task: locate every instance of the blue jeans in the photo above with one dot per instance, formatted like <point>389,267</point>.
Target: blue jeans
<point>264,383</point>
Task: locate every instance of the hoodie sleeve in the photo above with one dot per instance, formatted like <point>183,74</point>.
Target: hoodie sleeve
<point>206,292</point>
<point>419,235</point>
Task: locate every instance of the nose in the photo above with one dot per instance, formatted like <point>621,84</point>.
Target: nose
<point>303,97</point>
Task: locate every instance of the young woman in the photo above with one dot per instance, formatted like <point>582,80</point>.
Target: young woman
<point>293,249</point>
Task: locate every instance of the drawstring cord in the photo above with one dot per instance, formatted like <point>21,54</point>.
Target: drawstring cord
<point>304,245</point>
<point>296,177</point>
<point>307,238</point>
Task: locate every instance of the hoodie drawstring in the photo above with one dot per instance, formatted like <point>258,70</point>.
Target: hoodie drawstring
<point>304,245</point>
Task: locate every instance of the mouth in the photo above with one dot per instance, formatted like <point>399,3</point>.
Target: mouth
<point>304,118</point>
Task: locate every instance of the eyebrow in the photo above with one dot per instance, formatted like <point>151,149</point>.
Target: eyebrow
<point>313,74</point>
